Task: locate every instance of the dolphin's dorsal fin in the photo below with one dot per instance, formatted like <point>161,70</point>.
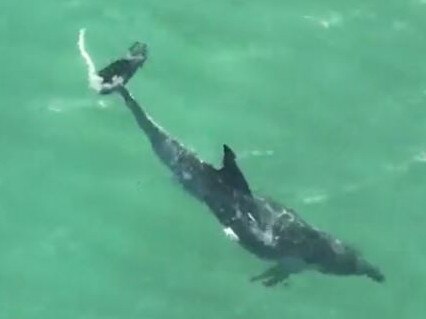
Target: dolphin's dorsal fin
<point>231,173</point>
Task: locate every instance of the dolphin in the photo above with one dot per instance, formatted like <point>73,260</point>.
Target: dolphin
<point>261,225</point>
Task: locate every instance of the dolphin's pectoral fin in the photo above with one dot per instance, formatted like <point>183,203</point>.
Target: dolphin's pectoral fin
<point>231,172</point>
<point>273,276</point>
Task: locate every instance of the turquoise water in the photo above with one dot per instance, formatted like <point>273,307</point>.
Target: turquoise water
<point>324,102</point>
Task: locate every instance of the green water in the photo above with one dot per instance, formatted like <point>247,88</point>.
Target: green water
<point>324,102</point>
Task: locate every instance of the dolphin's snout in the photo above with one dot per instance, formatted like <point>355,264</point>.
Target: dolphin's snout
<point>371,271</point>
<point>375,274</point>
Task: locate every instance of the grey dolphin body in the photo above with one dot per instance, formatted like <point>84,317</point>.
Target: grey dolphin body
<point>263,226</point>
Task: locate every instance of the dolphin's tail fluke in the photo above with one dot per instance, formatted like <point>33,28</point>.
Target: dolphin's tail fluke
<point>117,73</point>
<point>122,70</point>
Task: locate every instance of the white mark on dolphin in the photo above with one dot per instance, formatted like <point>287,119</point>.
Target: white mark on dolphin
<point>186,175</point>
<point>230,234</point>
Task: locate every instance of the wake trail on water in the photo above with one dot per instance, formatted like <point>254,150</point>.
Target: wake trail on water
<point>95,81</point>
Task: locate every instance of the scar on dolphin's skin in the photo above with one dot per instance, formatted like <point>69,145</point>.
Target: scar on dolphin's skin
<point>259,224</point>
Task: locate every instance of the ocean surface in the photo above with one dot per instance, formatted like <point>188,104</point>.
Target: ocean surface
<point>323,101</point>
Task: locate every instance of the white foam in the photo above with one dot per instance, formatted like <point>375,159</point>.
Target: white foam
<point>102,104</point>
<point>60,104</point>
<point>333,19</point>
<point>314,198</point>
<point>95,81</point>
<point>399,167</point>
<point>421,157</point>
<point>54,109</point>
<point>256,153</point>
<point>399,25</point>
